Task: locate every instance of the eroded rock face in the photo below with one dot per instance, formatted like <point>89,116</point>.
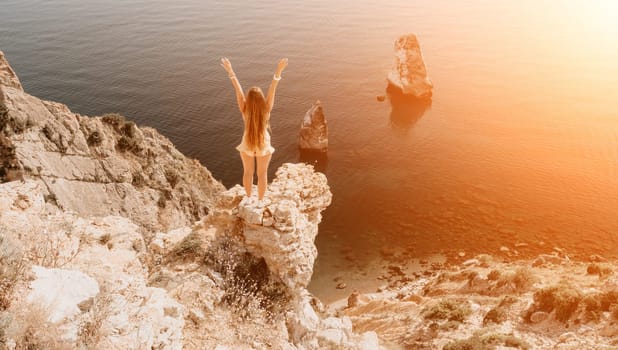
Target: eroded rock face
<point>121,169</point>
<point>284,229</point>
<point>409,73</point>
<point>314,129</point>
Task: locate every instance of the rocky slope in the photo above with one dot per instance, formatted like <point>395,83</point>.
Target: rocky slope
<point>550,302</point>
<point>111,239</point>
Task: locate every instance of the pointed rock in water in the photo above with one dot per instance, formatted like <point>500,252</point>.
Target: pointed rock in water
<point>314,129</point>
<point>409,73</point>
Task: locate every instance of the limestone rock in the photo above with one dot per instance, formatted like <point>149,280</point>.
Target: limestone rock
<point>409,73</point>
<point>283,231</point>
<point>61,291</point>
<point>314,129</point>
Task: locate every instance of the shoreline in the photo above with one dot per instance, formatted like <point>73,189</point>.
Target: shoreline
<point>550,302</point>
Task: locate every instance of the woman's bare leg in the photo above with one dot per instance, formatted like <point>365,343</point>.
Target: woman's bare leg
<point>248,165</point>
<point>262,173</point>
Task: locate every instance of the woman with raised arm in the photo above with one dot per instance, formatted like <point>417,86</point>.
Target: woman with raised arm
<point>255,145</point>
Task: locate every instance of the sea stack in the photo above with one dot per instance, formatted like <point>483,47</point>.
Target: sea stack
<point>409,73</point>
<point>314,129</point>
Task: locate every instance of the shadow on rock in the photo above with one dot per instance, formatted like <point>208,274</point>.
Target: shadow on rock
<point>317,158</point>
<point>406,110</point>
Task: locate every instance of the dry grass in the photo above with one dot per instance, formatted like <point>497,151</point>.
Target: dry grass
<point>5,323</point>
<point>45,251</point>
<point>31,330</point>
<point>189,247</point>
<point>521,280</point>
<point>490,341</point>
<point>602,270</point>
<point>89,333</point>
<point>447,309</point>
<point>251,290</point>
<point>12,269</point>
<point>561,298</point>
<point>595,304</point>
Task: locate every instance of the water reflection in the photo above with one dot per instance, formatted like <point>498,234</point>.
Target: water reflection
<point>406,110</point>
<point>318,159</point>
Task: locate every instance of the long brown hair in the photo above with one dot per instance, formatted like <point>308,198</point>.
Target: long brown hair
<point>255,113</point>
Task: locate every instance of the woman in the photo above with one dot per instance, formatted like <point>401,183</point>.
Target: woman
<point>255,145</point>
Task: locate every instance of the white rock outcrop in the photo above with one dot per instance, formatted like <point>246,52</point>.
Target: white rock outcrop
<point>313,133</point>
<point>56,290</point>
<point>284,229</point>
<point>409,73</point>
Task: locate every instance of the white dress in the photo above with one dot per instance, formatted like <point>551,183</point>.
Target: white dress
<point>244,146</point>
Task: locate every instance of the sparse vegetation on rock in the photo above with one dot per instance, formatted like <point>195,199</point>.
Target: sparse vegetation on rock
<point>450,310</point>
<point>31,329</point>
<point>95,139</point>
<point>600,269</point>
<point>12,269</point>
<point>561,298</point>
<point>489,341</point>
<point>114,119</point>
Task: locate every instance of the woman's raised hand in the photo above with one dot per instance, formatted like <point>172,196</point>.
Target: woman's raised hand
<point>227,65</point>
<point>282,64</point>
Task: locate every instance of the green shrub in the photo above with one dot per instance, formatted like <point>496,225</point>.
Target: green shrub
<point>95,138</point>
<point>562,298</point>
<point>128,129</point>
<point>450,310</point>
<point>127,144</point>
<point>172,177</point>
<point>190,246</point>
<point>113,119</point>
<point>138,180</point>
<point>487,342</point>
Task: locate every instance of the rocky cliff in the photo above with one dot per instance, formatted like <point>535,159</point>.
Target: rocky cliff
<point>119,168</point>
<point>112,239</point>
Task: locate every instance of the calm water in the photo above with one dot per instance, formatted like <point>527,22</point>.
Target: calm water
<point>519,145</point>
